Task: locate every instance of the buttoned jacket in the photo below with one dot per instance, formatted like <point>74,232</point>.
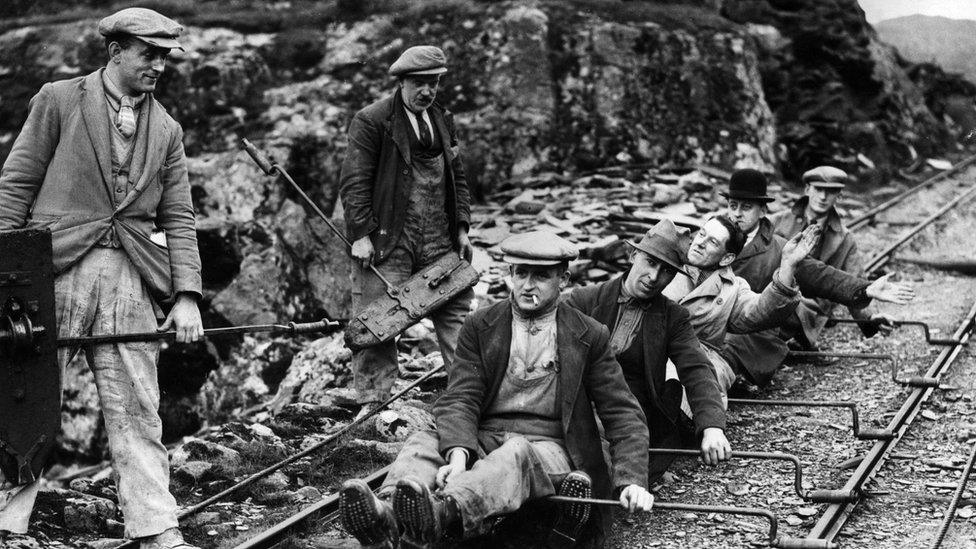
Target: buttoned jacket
<point>377,176</point>
<point>58,176</point>
<point>724,303</point>
<point>665,333</point>
<point>589,379</point>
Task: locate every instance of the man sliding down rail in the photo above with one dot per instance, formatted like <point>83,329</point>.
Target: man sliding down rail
<point>516,421</point>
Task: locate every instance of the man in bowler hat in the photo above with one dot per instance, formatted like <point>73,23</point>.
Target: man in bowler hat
<point>758,355</point>
<point>406,203</point>
<point>100,164</point>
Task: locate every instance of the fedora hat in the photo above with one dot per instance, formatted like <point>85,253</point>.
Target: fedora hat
<point>748,184</point>
<point>663,242</point>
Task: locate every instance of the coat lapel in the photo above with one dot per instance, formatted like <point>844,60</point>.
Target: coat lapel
<point>399,127</point>
<point>573,351</point>
<point>94,111</point>
<point>437,118</point>
<point>498,330</point>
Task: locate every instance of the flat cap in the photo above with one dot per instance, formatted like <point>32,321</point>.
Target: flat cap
<point>538,248</point>
<point>827,177</point>
<point>420,60</point>
<point>147,25</point>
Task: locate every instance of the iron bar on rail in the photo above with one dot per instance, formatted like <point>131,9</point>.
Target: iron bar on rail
<point>835,515</point>
<point>950,512</point>
<point>865,434</point>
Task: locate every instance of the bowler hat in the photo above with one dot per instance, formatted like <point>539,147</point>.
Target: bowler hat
<point>826,177</point>
<point>664,243</point>
<point>538,248</point>
<point>420,60</point>
<point>147,25</point>
<point>748,184</point>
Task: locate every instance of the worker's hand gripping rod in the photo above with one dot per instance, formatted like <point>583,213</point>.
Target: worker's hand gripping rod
<point>270,167</point>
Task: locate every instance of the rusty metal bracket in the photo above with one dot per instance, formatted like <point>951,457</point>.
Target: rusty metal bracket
<point>898,323</point>
<point>816,496</point>
<point>860,434</point>
<point>774,539</point>
<point>911,381</point>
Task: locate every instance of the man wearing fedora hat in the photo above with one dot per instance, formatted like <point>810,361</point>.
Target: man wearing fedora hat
<point>100,164</point>
<point>837,248</point>
<point>758,355</point>
<point>647,330</point>
<point>516,421</point>
<point>406,203</point>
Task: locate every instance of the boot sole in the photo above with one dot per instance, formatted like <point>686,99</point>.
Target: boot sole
<point>357,513</point>
<point>414,511</point>
<point>573,516</point>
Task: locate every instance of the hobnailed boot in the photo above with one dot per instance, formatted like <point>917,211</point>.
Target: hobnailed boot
<point>423,517</point>
<point>572,516</point>
<point>368,518</point>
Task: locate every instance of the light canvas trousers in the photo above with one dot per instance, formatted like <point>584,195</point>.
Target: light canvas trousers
<point>511,470</point>
<point>104,294</point>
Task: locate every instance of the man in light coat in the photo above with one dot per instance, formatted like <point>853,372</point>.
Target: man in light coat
<point>720,302</point>
<point>406,204</point>
<point>100,163</point>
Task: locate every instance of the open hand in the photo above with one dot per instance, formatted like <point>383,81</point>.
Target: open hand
<point>883,289</point>
<point>800,245</point>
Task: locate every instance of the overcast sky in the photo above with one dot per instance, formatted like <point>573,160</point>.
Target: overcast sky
<point>879,10</point>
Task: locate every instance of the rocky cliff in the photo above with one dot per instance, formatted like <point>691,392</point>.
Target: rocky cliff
<point>537,87</point>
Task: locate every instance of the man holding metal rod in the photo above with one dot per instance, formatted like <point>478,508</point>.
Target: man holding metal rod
<point>101,164</point>
<point>406,203</point>
<point>516,421</point>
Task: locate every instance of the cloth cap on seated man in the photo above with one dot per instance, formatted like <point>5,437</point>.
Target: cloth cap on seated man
<point>147,25</point>
<point>666,243</point>
<point>538,248</point>
<point>420,60</point>
<point>748,184</point>
<point>826,177</point>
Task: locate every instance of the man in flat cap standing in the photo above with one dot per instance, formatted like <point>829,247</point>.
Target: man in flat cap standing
<point>100,164</point>
<point>648,329</point>
<point>406,203</point>
<point>516,421</point>
<point>758,355</point>
<point>837,247</point>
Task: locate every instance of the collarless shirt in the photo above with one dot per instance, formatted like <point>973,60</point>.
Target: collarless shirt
<point>630,315</point>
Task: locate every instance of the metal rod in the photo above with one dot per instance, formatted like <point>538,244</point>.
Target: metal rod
<point>913,381</point>
<point>836,514</point>
<point>867,434</point>
<point>925,327</point>
<point>686,507</point>
<point>328,506</point>
<point>882,257</point>
<point>290,328</point>
<point>271,167</point>
<point>190,511</point>
<point>797,467</point>
<point>867,216</point>
<point>954,504</point>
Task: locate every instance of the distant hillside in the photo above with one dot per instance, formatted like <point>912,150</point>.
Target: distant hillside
<point>922,38</point>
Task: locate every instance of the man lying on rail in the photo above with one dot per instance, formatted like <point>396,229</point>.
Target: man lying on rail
<point>758,355</point>
<point>647,330</point>
<point>516,421</point>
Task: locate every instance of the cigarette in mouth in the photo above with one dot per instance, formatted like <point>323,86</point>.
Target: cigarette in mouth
<point>535,300</point>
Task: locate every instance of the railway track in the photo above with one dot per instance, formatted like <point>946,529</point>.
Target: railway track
<point>835,515</point>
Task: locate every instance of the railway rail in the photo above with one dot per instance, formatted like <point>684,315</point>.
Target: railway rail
<point>839,508</point>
